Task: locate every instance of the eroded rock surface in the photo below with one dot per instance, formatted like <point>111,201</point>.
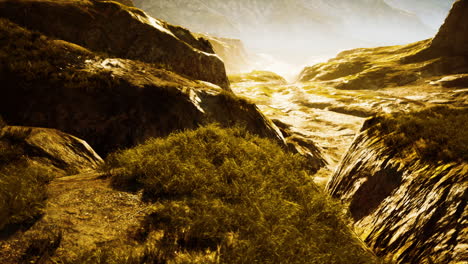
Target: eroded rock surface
<point>232,52</point>
<point>120,31</point>
<point>452,38</point>
<point>406,209</point>
<point>62,153</point>
<point>111,103</point>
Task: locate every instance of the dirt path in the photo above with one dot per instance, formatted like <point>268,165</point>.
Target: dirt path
<point>87,211</point>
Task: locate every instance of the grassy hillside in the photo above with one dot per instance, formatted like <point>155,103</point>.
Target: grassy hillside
<point>434,134</point>
<point>226,196</point>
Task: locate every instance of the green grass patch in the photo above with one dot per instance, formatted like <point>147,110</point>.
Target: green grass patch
<point>22,192</point>
<point>437,134</point>
<point>22,186</point>
<point>238,196</point>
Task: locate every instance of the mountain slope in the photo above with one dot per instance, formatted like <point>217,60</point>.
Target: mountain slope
<point>120,31</point>
<point>294,29</point>
<point>413,64</point>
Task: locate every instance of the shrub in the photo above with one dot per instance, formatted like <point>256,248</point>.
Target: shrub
<point>22,192</point>
<point>436,134</point>
<point>238,195</point>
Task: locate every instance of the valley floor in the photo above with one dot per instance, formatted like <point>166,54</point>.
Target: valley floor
<point>331,117</point>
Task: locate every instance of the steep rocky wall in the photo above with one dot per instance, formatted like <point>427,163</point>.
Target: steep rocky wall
<point>120,31</point>
<point>452,38</point>
<point>232,52</point>
<point>405,209</point>
<point>111,103</point>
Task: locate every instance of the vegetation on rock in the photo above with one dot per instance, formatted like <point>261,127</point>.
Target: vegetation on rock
<point>434,134</point>
<point>111,103</point>
<point>121,31</point>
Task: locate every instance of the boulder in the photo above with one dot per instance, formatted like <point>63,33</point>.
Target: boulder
<point>122,31</point>
<point>62,153</point>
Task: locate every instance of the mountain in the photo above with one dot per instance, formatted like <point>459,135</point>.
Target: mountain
<point>417,63</point>
<point>431,12</point>
<point>294,30</point>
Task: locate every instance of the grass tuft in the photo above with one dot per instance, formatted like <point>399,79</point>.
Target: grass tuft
<point>437,134</point>
<point>22,193</point>
<point>237,196</point>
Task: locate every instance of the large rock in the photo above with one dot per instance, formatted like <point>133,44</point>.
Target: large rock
<point>111,103</point>
<point>120,31</point>
<point>62,153</point>
<point>406,209</point>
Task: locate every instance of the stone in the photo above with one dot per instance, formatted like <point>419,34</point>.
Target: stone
<point>61,152</point>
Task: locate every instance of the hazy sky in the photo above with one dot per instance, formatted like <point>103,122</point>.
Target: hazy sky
<point>298,32</point>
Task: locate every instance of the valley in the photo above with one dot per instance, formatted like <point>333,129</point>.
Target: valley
<point>332,117</point>
<point>125,139</point>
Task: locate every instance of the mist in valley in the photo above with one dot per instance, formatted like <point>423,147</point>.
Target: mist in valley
<point>283,36</point>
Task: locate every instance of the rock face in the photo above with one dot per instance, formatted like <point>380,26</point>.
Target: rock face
<point>111,103</point>
<point>120,31</point>
<point>405,209</point>
<point>232,52</point>
<point>375,68</point>
<point>452,39</point>
<point>63,153</point>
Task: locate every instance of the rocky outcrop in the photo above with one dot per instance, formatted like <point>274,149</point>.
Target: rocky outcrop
<point>62,153</point>
<point>416,63</point>
<point>452,38</point>
<point>406,209</point>
<point>232,52</point>
<point>111,103</point>
<point>118,30</point>
<point>303,146</point>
